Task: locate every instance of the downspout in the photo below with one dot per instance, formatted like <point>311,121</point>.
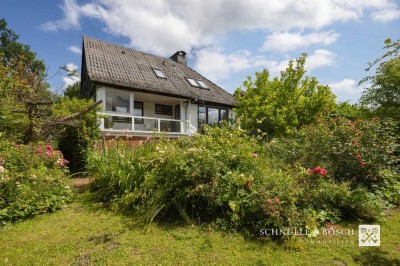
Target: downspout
<point>188,118</point>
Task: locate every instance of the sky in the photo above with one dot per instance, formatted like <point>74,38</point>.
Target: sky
<point>225,40</point>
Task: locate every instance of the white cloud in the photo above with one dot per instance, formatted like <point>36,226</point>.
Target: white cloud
<point>162,27</point>
<point>71,67</point>
<point>75,49</point>
<point>70,19</point>
<point>70,80</point>
<point>320,58</point>
<point>217,66</point>
<point>346,90</point>
<point>386,15</point>
<point>346,85</point>
<point>285,41</point>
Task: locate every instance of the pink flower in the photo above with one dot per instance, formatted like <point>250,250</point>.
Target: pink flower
<point>276,200</point>
<point>310,171</point>
<point>48,153</point>
<point>362,163</point>
<point>255,155</point>
<point>358,156</point>
<point>355,143</point>
<point>49,147</point>
<point>268,201</point>
<point>1,169</point>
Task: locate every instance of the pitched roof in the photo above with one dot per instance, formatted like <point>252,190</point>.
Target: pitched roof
<point>116,65</point>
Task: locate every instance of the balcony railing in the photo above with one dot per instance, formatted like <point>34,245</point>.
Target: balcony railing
<point>129,123</point>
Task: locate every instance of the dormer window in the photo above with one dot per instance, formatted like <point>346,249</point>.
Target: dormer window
<point>193,83</point>
<point>159,73</point>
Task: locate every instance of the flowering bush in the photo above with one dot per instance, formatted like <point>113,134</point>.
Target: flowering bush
<point>359,152</point>
<point>223,177</point>
<point>318,170</point>
<point>32,181</point>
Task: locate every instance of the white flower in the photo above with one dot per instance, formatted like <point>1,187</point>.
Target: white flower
<point>1,169</point>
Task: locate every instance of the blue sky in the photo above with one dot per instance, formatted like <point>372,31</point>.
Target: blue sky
<point>226,40</point>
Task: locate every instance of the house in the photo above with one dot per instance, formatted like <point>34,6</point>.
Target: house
<point>144,93</point>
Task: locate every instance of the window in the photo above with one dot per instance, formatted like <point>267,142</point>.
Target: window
<point>212,115</point>
<point>117,103</point>
<point>202,84</point>
<point>197,83</point>
<point>177,112</point>
<point>159,73</point>
<point>162,109</point>
<point>202,115</point>
<point>192,82</point>
<point>138,111</point>
<point>223,114</point>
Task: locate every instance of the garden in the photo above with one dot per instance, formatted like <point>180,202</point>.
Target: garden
<point>301,161</point>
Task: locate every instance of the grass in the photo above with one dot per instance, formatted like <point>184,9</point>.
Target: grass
<point>87,234</point>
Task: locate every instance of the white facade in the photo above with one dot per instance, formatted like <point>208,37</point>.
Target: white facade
<point>143,114</point>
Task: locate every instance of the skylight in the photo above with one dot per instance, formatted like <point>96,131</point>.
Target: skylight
<point>192,82</point>
<point>159,73</point>
<point>202,84</point>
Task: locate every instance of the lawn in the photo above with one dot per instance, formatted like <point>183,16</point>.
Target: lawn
<point>84,233</point>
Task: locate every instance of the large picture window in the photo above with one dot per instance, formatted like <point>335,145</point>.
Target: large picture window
<point>212,115</point>
<point>117,102</point>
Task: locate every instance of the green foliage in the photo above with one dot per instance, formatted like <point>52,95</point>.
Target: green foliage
<point>223,177</point>
<point>29,111</point>
<point>383,95</point>
<point>20,89</point>
<point>32,181</point>
<point>78,137</point>
<point>351,111</point>
<point>360,152</point>
<point>73,91</point>
<point>282,105</point>
<point>11,50</point>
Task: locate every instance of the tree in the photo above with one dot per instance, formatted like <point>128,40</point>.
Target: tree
<point>383,95</point>
<point>29,112</point>
<point>78,138</point>
<point>11,50</point>
<point>280,106</point>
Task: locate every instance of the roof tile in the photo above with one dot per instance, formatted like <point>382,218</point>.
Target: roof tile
<point>117,65</point>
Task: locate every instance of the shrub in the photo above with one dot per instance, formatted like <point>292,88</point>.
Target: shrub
<point>32,181</point>
<point>220,177</point>
<point>358,152</point>
<point>79,136</point>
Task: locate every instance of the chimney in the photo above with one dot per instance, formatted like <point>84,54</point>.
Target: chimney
<point>179,57</point>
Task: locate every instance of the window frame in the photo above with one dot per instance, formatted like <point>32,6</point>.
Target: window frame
<point>163,107</point>
<point>157,74</point>
<point>206,113</point>
<point>138,120</point>
<point>202,85</point>
<point>195,83</point>
<point>118,99</point>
